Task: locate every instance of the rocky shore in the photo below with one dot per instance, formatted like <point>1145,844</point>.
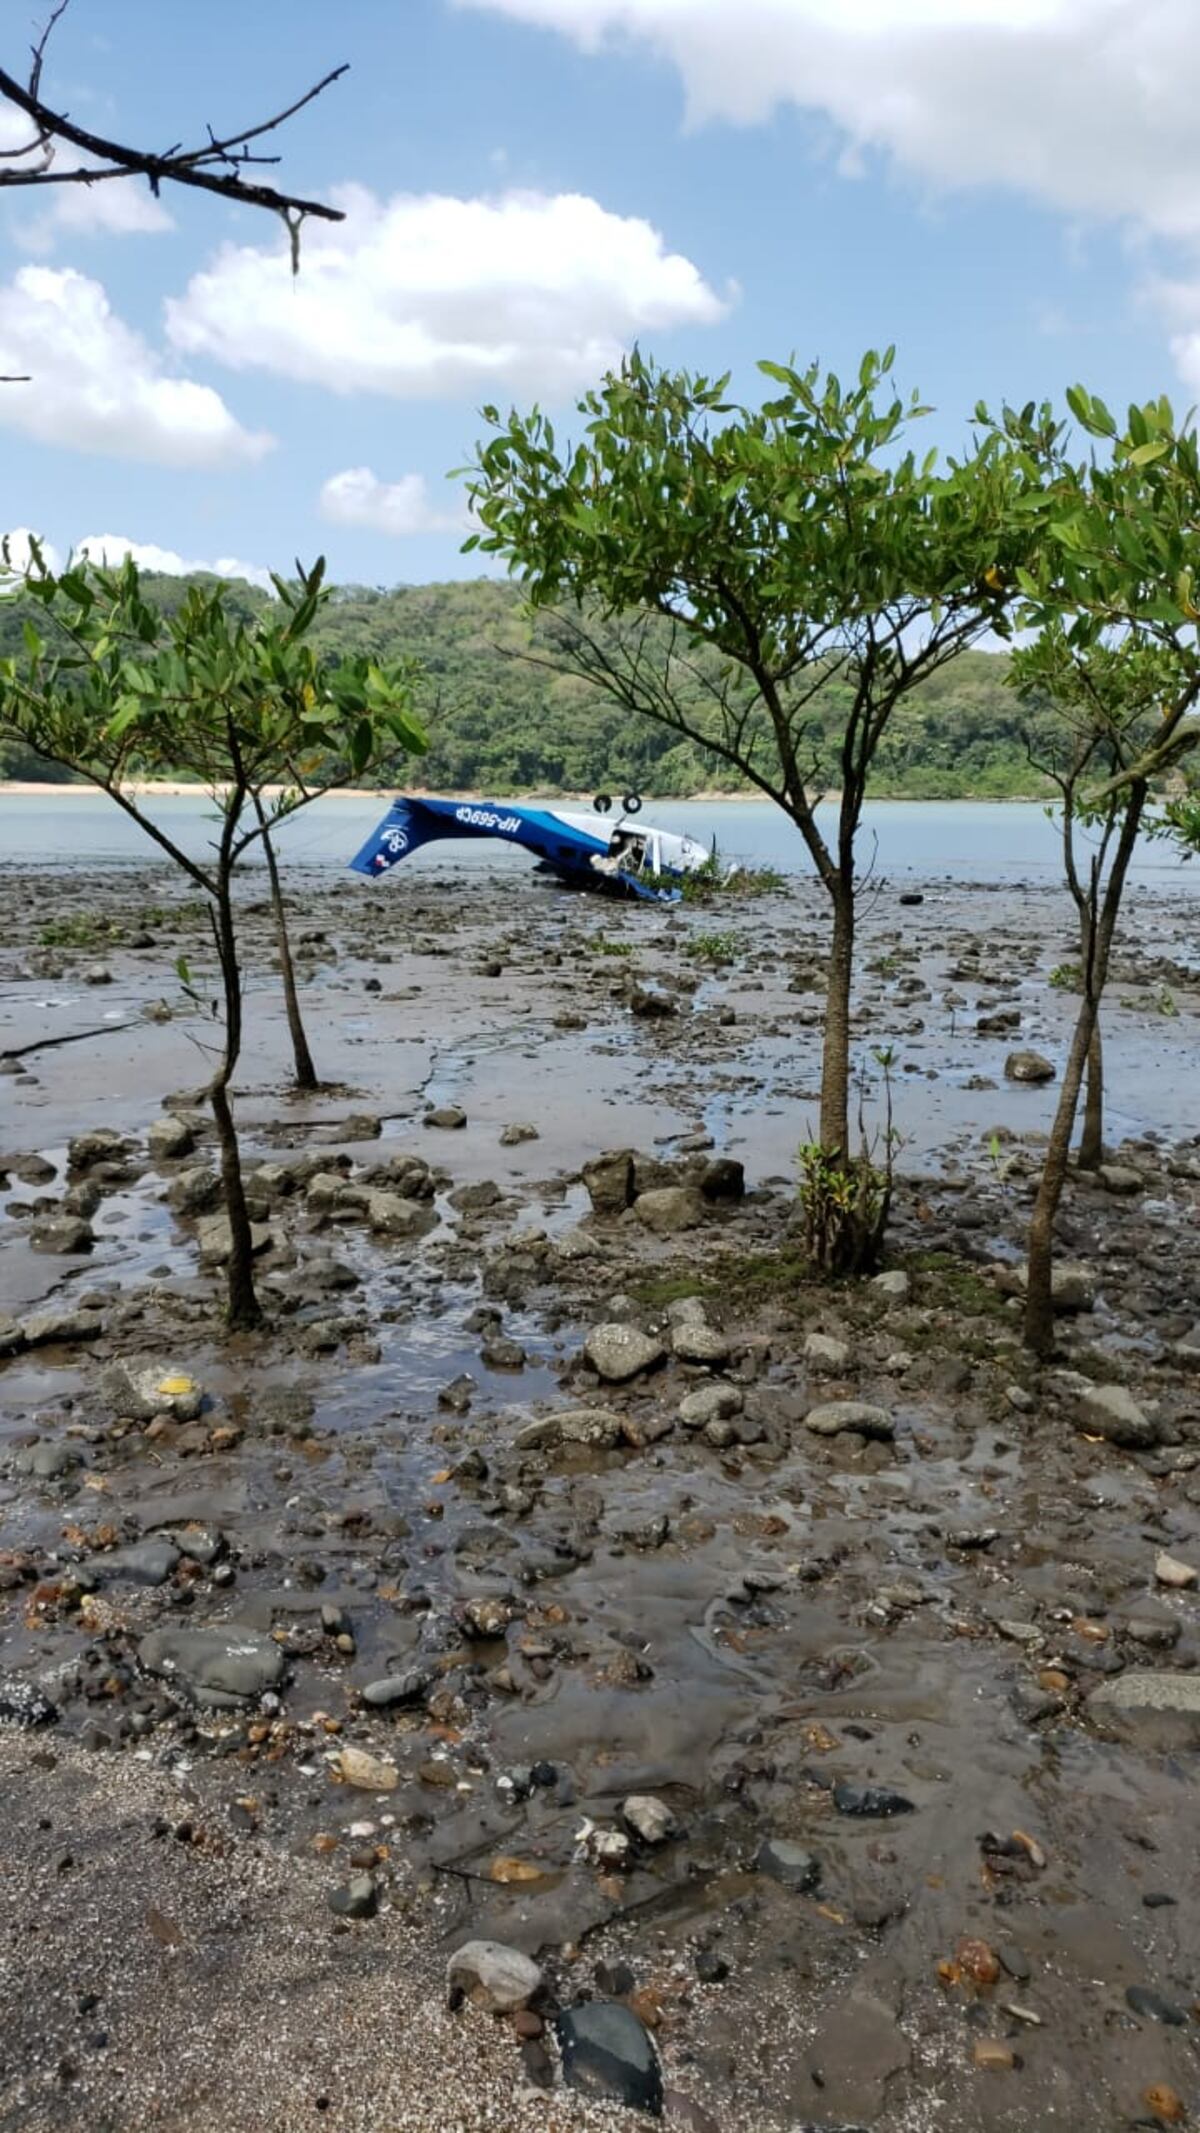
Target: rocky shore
<point>574,1670</point>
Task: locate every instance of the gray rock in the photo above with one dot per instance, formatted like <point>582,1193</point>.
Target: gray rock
<point>1158,1711</point>
<point>64,1235</point>
<point>839,1415</point>
<point>148,1562</point>
<point>895,1286</point>
<point>723,1181</point>
<point>356,1898</point>
<point>194,1190</point>
<point>669,1210</point>
<point>513,1136</point>
<point>47,1329</point>
<point>788,1864</point>
<point>47,1460</point>
<point>1029,1066</point>
<point>1073,1286</point>
<point>97,974</point>
<point>392,1214</point>
<point>618,1352</point>
<point>220,1668</point>
<point>497,1979</point>
<point>712,1403</point>
<point>169,1140</point>
<point>394,1689</point>
<point>608,2055</point>
<point>448,1118</point>
<point>1111,1411</point>
<point>824,1352</point>
<point>690,1311</point>
<point>608,1180</point>
<point>649,1818</point>
<point>99,1146</point>
<point>213,1238</point>
<point>12,1336</point>
<point>142,1391</point>
<point>700,1344</point>
<point>573,1425</point>
<point>1116,1178</point>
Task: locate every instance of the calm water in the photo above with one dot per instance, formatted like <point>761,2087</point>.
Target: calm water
<point>959,840</point>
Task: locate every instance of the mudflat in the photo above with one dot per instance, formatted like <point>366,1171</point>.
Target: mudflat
<point>798,1669</point>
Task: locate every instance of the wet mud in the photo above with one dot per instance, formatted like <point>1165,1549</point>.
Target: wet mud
<point>326,1650</point>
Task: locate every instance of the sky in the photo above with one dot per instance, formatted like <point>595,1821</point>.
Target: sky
<point>1008,190</point>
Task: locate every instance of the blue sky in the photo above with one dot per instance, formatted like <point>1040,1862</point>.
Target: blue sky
<point>1010,192</point>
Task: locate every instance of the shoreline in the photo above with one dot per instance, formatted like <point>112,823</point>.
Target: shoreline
<point>176,789</point>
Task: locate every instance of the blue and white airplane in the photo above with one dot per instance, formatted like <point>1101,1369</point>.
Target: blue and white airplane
<point>590,851</point>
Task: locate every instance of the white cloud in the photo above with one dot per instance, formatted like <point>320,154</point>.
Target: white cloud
<point>111,549</point>
<point>98,386</point>
<point>425,295</point>
<point>1087,105</point>
<point>357,497</point>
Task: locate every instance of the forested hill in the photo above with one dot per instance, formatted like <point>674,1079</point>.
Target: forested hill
<point>500,724</point>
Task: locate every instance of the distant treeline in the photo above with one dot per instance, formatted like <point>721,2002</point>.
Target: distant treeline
<point>497,723</point>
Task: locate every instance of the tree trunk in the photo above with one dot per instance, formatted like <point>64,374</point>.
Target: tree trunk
<point>1039,1300</point>
<point>835,1056</point>
<point>306,1073</point>
<point>1091,1145</point>
<point>1098,940</point>
<point>242,1311</point>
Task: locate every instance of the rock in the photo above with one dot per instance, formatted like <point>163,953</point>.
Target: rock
<point>356,1898</point>
<point>669,1210</point>
<point>1170,1571</point>
<point>648,1003</point>
<point>607,2054</point>
<point>12,1336</point>
<point>148,1562</point>
<point>368,1772</point>
<point>723,1180</point>
<point>99,1146</point>
<point>1155,1710</point>
<point>823,1352</point>
<point>220,1668</point>
<point>699,1344</point>
<point>213,1238</point>
<point>476,1199</point>
<point>494,1978</point>
<point>1110,1411</point>
<point>47,1460</point>
<point>64,1235</point>
<point>22,1704</point>
<point>447,1118</point>
<point>618,1352</point>
<point>152,1389</point>
<point>513,1136</point>
<point>169,1140</point>
<point>392,1214</point>
<point>1073,1286</point>
<point>1117,1179</point>
<point>840,1415</point>
<point>1143,2000</point>
<point>195,1190</point>
<point>894,1286</point>
<point>1029,1066</point>
<point>608,1180</point>
<point>46,1329</point>
<point>574,1425</point>
<point>789,1864</point>
<point>713,1403</point>
<point>393,1689</point>
<point>97,974</point>
<point>870,1801</point>
<point>649,1818</point>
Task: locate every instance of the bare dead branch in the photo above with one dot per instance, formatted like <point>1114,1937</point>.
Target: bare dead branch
<point>217,166</point>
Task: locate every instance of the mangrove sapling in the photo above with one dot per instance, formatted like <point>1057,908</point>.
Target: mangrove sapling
<point>112,689</point>
<point>1117,575</point>
<point>1097,703</point>
<point>723,570</point>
